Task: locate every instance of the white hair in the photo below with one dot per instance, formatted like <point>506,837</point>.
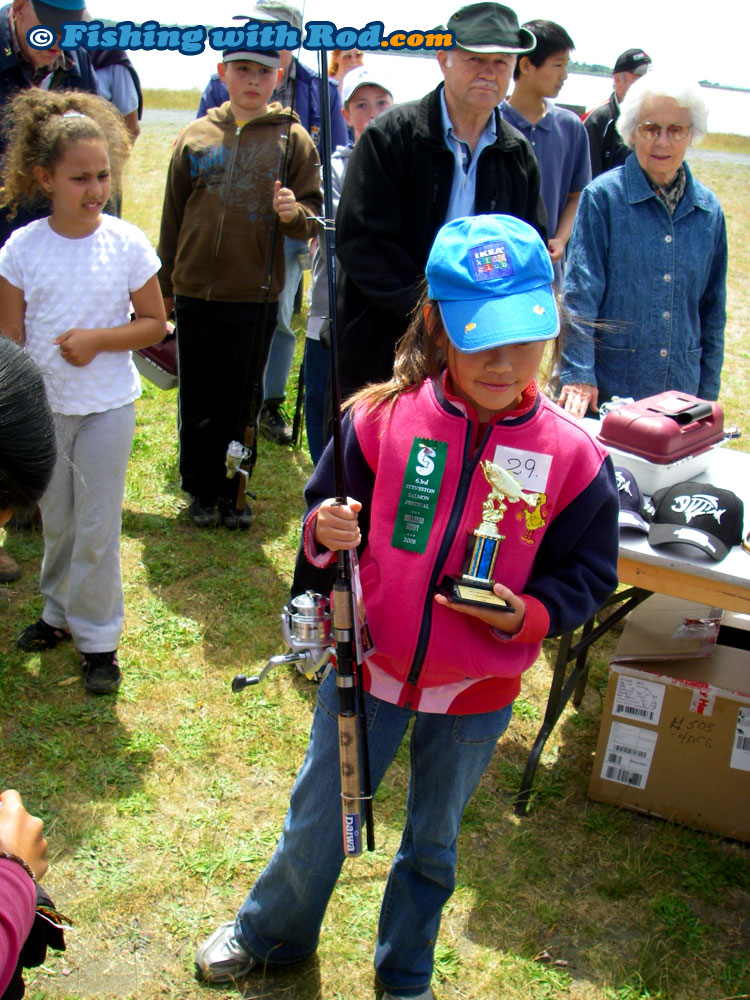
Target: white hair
<point>661,83</point>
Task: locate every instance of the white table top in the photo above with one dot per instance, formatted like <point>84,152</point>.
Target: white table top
<point>730,470</point>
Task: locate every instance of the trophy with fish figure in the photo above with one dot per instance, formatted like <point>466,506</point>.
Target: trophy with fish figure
<point>475,584</point>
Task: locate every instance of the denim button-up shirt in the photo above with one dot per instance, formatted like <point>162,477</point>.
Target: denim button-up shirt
<point>655,284</point>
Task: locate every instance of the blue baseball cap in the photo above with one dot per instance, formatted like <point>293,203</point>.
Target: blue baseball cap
<point>492,278</point>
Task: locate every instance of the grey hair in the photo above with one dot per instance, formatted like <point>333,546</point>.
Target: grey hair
<point>661,83</point>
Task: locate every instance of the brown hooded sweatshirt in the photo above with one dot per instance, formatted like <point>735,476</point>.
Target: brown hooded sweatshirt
<point>218,220</point>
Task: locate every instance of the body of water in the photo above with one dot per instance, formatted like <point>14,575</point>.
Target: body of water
<point>411,77</point>
<point>728,110</point>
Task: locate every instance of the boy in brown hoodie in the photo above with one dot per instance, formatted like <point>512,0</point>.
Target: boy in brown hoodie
<point>235,175</point>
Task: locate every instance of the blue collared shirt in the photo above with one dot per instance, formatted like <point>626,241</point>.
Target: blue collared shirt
<point>561,147</point>
<point>463,188</point>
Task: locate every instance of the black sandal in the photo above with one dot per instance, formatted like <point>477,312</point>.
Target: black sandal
<point>41,636</point>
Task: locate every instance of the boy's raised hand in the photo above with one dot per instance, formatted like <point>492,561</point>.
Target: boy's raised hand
<point>336,524</point>
<point>284,202</point>
<point>505,621</point>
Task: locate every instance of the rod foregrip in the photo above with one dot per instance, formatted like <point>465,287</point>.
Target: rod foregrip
<point>351,814</point>
<point>351,788</point>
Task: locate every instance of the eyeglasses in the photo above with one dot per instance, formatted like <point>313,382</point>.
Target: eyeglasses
<point>675,133</point>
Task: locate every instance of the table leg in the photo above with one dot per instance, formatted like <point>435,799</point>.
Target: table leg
<point>561,690</point>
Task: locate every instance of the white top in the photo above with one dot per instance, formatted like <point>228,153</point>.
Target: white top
<point>79,283</point>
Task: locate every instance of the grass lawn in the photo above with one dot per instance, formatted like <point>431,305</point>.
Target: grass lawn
<point>161,806</point>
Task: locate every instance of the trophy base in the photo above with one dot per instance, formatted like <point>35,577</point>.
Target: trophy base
<point>464,590</point>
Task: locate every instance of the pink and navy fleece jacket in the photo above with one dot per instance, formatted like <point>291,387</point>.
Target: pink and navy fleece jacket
<point>561,556</point>
<point>17,909</point>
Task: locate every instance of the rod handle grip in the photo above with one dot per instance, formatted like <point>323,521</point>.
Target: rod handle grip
<point>351,794</point>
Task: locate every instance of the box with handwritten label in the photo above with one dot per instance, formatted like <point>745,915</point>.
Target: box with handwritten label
<point>674,741</point>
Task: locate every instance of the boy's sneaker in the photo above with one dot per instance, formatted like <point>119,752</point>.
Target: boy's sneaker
<point>40,636</point>
<point>272,424</point>
<point>101,672</point>
<point>233,518</point>
<point>203,513</point>
<point>427,995</point>
<point>221,958</point>
<point>9,568</point>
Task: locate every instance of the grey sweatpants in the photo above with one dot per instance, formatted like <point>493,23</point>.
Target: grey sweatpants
<point>82,517</point>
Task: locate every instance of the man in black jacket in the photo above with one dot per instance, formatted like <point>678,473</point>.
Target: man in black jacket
<point>23,66</point>
<point>416,167</point>
<point>605,142</point>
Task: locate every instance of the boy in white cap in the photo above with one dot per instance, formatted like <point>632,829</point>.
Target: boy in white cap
<point>365,96</point>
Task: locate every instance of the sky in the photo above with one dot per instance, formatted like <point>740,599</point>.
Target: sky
<point>674,35</point>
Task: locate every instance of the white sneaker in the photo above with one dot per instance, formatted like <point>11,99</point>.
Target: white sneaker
<point>221,958</point>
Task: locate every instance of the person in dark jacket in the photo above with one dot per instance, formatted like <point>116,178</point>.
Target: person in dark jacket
<point>605,142</point>
<point>415,168</point>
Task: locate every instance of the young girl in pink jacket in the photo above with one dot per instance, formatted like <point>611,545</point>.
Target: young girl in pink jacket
<point>458,456</point>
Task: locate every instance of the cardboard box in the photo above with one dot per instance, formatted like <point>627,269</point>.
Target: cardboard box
<point>665,628</point>
<point>674,740</point>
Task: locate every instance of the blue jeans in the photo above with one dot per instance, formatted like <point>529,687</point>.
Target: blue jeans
<point>280,920</point>
<point>284,341</point>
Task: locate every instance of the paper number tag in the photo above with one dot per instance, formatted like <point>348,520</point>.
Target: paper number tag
<point>529,467</point>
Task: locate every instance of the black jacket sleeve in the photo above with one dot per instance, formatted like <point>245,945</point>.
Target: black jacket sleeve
<point>575,569</point>
<point>370,220</point>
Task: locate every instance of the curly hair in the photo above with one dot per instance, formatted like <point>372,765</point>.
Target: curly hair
<point>41,125</point>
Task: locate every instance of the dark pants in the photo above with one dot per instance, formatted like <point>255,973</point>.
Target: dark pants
<point>222,349</point>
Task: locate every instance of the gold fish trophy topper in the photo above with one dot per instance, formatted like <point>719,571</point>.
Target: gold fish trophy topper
<point>475,584</point>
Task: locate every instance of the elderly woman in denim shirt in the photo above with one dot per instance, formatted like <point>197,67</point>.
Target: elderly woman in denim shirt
<point>645,283</point>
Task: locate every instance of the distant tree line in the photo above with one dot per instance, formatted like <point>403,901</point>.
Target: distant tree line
<point>593,69</point>
<point>596,69</point>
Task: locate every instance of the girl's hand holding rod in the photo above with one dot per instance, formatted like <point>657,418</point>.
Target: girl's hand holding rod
<point>336,525</point>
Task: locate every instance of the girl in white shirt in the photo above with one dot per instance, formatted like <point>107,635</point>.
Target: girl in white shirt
<point>66,285</point>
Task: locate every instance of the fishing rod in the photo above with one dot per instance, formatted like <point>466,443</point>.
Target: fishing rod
<point>241,456</point>
<point>313,643</point>
<point>356,789</point>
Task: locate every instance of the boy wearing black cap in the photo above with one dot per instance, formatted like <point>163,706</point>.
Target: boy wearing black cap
<point>233,174</point>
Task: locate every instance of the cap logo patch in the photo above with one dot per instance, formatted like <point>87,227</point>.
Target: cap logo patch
<point>623,484</point>
<point>539,310</point>
<point>696,537</point>
<point>697,506</point>
<point>469,327</point>
<point>490,261</point>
